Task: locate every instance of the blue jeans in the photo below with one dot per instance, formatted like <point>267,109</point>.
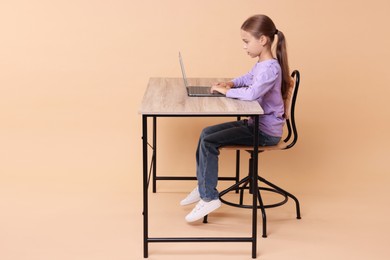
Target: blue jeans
<point>213,137</point>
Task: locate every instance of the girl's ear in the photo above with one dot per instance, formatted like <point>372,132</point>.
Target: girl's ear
<point>263,40</point>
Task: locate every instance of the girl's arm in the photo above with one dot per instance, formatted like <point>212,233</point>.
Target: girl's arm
<point>223,87</point>
<point>244,80</point>
<point>262,85</point>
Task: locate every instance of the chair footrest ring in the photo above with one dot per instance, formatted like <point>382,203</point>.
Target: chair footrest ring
<point>242,205</point>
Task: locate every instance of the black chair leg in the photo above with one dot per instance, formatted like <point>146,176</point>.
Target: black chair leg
<point>245,182</point>
<point>264,216</point>
<point>242,192</point>
<point>298,210</point>
<point>234,187</point>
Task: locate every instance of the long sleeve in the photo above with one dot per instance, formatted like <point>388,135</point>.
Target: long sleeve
<point>263,84</point>
<point>253,88</point>
<point>244,80</point>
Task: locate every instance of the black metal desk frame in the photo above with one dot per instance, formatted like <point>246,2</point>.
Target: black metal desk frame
<point>147,171</point>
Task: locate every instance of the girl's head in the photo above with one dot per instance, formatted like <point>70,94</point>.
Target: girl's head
<point>258,32</point>
<point>260,26</point>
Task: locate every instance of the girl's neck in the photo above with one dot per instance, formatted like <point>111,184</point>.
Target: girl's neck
<point>265,55</point>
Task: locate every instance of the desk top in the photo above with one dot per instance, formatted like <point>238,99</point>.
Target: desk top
<point>168,96</point>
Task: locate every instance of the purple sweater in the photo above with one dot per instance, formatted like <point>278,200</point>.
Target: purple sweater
<point>263,83</point>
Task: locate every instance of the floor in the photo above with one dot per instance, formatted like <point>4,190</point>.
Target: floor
<point>102,224</point>
<point>87,204</point>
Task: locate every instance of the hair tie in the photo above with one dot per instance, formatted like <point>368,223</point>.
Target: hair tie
<point>276,31</point>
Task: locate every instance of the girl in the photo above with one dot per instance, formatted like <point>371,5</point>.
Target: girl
<point>266,83</point>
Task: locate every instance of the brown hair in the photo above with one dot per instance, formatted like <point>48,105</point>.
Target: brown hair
<point>259,25</point>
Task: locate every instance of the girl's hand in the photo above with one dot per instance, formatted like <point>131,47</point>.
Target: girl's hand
<point>221,87</point>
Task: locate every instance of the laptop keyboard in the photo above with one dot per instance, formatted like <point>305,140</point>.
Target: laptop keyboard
<point>199,90</point>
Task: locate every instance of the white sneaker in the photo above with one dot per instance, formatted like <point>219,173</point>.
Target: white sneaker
<point>193,197</point>
<point>202,209</point>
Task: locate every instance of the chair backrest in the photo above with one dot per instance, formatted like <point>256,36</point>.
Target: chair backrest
<point>289,109</point>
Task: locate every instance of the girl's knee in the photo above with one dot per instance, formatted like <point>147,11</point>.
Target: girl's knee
<point>205,132</point>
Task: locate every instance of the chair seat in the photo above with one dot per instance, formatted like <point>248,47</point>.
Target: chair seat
<point>280,146</point>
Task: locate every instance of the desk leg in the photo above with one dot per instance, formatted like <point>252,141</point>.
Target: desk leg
<point>154,154</point>
<point>238,159</point>
<point>255,186</point>
<point>145,180</point>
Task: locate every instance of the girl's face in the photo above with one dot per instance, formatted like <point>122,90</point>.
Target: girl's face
<point>253,46</point>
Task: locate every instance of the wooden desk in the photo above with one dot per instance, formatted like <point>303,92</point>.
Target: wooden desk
<point>167,97</point>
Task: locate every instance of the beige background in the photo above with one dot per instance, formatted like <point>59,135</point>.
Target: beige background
<point>72,76</point>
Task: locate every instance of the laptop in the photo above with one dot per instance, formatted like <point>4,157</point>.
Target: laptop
<point>196,91</point>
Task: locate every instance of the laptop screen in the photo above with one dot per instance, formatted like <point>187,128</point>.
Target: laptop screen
<point>183,72</point>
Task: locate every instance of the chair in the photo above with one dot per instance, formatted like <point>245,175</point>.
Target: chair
<point>288,142</point>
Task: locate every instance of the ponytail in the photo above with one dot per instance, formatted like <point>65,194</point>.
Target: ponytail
<point>281,55</point>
